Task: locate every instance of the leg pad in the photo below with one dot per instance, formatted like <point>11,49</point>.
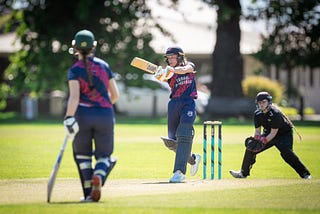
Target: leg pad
<point>170,143</point>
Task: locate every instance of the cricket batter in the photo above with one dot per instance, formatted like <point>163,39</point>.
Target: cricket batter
<point>93,91</point>
<point>180,75</point>
<point>277,131</point>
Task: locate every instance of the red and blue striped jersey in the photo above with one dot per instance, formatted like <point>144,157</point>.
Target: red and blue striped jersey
<point>183,85</point>
<point>101,74</point>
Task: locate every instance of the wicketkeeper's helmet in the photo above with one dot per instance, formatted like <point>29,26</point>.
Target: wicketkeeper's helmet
<point>84,40</point>
<point>263,95</point>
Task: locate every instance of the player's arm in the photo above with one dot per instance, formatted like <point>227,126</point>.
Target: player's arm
<point>184,69</point>
<point>257,133</point>
<point>113,91</point>
<point>270,136</point>
<point>74,97</point>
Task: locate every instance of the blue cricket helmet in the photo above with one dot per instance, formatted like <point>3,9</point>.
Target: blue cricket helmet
<point>174,50</point>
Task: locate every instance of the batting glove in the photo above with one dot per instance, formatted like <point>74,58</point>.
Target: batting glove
<point>169,72</point>
<point>71,126</point>
<point>160,74</point>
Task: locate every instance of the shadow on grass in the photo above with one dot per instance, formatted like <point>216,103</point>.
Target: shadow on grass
<point>74,202</point>
<point>160,182</point>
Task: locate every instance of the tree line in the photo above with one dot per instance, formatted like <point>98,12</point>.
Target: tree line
<point>122,30</point>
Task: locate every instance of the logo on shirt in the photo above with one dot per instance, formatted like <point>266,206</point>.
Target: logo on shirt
<point>184,80</point>
<point>190,113</point>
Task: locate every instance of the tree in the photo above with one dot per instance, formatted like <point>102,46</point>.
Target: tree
<point>46,29</point>
<point>227,97</point>
<point>293,37</point>
<point>227,71</point>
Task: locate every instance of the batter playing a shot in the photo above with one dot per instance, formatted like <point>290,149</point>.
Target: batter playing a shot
<point>93,91</point>
<point>180,75</point>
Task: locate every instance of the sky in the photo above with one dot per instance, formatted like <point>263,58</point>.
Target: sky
<point>194,27</point>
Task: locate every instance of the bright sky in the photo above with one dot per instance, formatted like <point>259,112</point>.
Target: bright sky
<point>194,27</point>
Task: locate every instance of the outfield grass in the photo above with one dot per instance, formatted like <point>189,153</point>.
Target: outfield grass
<point>28,151</point>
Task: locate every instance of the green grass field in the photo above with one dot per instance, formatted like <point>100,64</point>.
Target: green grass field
<point>138,183</point>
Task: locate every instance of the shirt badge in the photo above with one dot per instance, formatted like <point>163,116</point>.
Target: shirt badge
<point>190,113</point>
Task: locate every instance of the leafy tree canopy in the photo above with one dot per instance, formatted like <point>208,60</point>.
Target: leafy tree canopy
<point>46,29</point>
<point>293,28</point>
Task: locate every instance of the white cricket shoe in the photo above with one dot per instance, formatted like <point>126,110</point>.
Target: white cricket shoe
<point>237,174</point>
<point>194,167</point>
<point>178,177</point>
<point>308,177</point>
<point>88,199</point>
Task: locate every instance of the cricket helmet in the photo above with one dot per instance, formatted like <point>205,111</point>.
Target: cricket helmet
<point>263,95</point>
<point>84,40</point>
<point>175,51</point>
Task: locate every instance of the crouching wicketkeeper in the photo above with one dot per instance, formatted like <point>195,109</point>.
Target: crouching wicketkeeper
<point>277,131</point>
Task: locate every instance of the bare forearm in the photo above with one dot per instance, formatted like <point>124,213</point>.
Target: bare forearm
<point>74,97</point>
<point>184,69</point>
<point>113,91</point>
<point>72,107</point>
<point>114,98</point>
<point>271,135</point>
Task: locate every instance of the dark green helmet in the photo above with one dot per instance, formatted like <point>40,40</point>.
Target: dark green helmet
<point>84,40</point>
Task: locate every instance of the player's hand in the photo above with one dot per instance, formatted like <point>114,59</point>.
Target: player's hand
<point>263,139</point>
<point>254,145</point>
<point>257,137</point>
<point>169,72</point>
<point>71,126</point>
<point>160,74</point>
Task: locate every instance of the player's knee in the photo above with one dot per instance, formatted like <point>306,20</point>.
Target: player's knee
<point>84,162</point>
<point>185,133</point>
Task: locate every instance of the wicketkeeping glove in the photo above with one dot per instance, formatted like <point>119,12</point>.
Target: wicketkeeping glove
<point>71,126</point>
<point>254,145</point>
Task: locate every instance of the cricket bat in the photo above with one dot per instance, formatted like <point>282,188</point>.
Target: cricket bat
<point>144,65</point>
<point>55,169</point>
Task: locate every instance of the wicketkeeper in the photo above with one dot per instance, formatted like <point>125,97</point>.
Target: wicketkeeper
<point>180,75</point>
<point>277,131</point>
<point>93,91</point>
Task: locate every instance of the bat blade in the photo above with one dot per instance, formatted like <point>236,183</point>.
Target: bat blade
<point>144,65</point>
<point>55,169</point>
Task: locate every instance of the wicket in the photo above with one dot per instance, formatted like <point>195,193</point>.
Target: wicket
<point>205,124</point>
